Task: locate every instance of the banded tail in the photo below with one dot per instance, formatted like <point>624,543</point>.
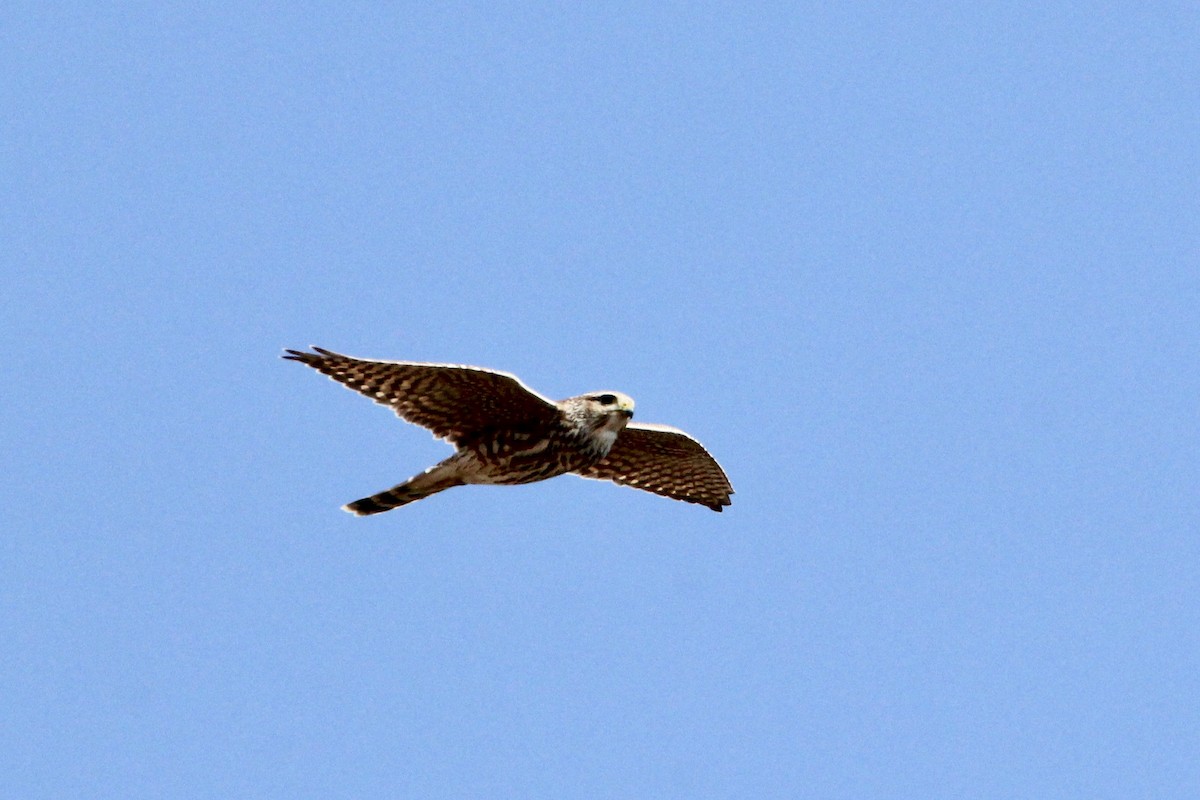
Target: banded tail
<point>413,489</point>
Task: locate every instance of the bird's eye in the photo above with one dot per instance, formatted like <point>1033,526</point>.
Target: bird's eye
<point>606,399</point>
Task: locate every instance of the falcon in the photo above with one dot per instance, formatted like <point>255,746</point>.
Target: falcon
<point>506,433</point>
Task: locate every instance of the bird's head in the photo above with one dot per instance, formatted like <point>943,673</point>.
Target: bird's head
<point>600,412</point>
<point>612,410</point>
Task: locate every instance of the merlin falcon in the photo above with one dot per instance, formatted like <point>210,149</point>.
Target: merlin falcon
<point>506,433</point>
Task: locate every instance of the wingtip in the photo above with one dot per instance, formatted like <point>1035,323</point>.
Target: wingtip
<point>308,357</point>
<point>720,505</point>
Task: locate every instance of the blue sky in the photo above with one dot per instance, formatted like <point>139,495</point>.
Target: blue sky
<point>922,276</point>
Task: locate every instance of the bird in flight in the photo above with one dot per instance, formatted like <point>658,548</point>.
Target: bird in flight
<point>506,433</point>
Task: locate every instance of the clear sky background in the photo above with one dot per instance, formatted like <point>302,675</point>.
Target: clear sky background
<point>924,277</point>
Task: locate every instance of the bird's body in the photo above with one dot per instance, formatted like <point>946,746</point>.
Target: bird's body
<point>505,433</point>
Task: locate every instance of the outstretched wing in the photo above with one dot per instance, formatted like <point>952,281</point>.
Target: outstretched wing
<point>665,461</point>
<point>451,400</point>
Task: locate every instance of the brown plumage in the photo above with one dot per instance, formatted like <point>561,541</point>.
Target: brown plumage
<point>505,433</point>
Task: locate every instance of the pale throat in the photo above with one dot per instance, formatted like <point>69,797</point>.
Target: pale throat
<point>606,435</point>
<point>604,439</point>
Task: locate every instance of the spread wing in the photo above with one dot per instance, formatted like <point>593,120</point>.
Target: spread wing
<point>665,461</point>
<point>452,400</point>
